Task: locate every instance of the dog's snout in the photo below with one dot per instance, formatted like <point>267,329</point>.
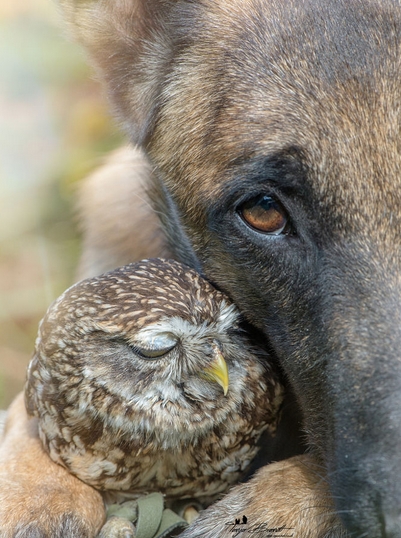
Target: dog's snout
<point>364,373</point>
<point>367,492</point>
<point>392,524</point>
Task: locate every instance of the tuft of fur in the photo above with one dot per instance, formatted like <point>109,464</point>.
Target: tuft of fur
<point>119,187</point>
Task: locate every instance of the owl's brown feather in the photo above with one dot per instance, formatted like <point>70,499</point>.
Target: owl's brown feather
<point>128,422</point>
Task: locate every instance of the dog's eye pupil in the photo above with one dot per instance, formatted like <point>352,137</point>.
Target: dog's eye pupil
<point>265,214</point>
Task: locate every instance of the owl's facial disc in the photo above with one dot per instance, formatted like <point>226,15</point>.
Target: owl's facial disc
<point>155,346</point>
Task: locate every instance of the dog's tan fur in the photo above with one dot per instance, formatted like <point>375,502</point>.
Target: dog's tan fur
<point>37,494</point>
<point>233,97</point>
<point>118,189</point>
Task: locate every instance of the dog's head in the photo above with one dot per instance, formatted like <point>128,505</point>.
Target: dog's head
<point>274,128</point>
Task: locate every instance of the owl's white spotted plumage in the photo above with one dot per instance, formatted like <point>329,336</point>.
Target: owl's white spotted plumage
<point>143,380</point>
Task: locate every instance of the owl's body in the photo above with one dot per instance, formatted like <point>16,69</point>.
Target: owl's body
<point>143,380</point>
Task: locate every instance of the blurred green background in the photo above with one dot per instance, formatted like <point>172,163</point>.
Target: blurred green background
<point>54,129</point>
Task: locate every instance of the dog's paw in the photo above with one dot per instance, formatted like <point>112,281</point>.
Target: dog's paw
<point>49,512</point>
<point>38,498</point>
<point>287,498</point>
<point>68,525</point>
<point>49,507</point>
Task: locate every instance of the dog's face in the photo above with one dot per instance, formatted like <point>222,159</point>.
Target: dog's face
<point>274,128</point>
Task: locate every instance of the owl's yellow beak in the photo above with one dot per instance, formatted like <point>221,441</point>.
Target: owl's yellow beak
<point>217,371</point>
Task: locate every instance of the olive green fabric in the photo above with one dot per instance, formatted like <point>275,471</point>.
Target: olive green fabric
<point>149,516</point>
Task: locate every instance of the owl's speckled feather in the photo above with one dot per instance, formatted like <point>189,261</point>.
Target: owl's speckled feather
<point>125,420</point>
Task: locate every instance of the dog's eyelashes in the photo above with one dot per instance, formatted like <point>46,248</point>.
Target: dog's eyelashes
<point>266,215</point>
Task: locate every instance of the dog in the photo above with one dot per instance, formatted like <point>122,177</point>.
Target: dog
<point>271,140</point>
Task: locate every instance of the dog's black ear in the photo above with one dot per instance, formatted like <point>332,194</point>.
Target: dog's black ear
<point>131,49</point>
<point>176,235</point>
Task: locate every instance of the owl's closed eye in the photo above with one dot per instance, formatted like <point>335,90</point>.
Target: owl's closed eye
<point>144,379</point>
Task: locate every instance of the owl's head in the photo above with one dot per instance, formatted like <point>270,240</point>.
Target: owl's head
<point>151,348</point>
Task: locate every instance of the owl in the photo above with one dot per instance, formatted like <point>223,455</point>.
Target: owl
<point>144,380</point>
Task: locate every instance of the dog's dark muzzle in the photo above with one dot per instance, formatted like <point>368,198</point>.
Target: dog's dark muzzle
<point>363,376</point>
<point>365,468</point>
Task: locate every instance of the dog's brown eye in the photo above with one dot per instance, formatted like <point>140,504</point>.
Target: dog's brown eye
<point>266,215</point>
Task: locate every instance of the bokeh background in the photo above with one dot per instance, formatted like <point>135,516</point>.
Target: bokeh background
<point>54,129</point>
